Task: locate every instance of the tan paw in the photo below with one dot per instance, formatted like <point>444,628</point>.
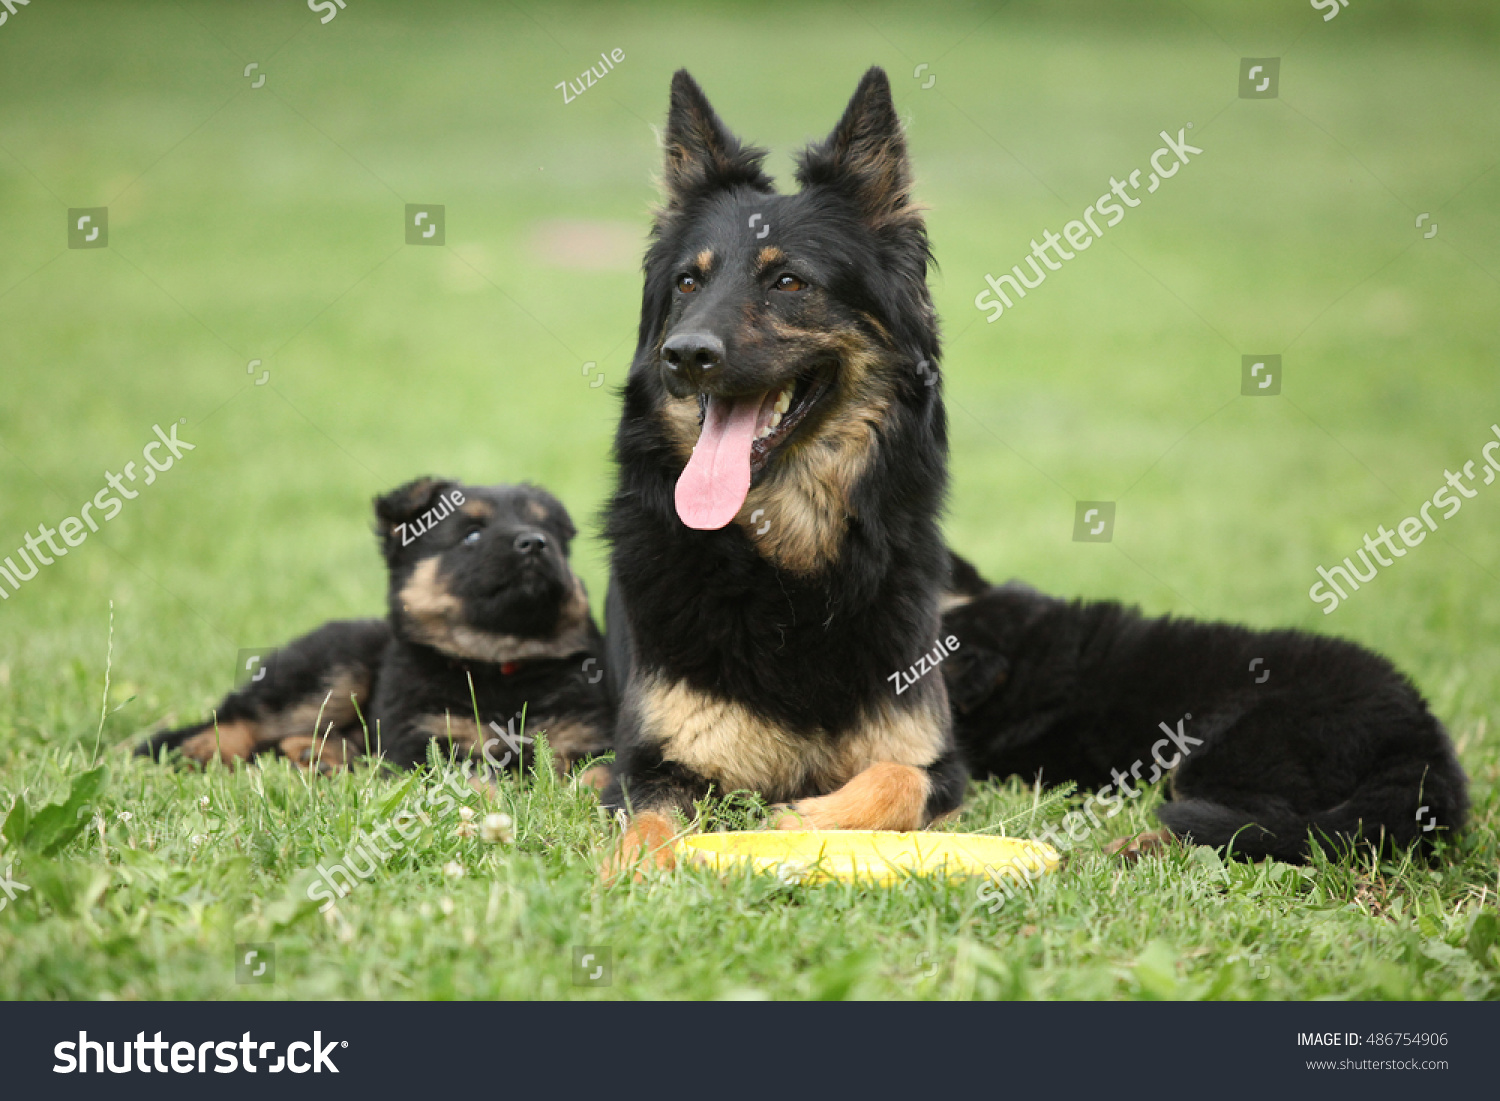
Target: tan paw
<point>1151,842</point>
<point>647,843</point>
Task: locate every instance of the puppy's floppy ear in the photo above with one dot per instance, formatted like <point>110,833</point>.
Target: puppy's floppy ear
<point>406,503</point>
<point>701,154</point>
<point>972,674</point>
<point>865,158</point>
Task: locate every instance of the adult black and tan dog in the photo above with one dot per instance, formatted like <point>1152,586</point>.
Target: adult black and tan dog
<point>485,616</point>
<point>1271,739</point>
<point>781,461</point>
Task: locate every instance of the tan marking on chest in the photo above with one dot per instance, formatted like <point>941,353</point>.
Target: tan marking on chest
<point>738,750</point>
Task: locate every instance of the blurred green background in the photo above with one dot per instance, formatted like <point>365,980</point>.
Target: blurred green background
<point>266,223</point>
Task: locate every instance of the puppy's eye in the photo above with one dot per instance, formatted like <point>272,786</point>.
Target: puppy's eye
<point>686,283</point>
<point>786,281</point>
<point>473,536</point>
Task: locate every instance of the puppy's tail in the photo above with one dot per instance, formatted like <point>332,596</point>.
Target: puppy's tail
<point>1385,814</point>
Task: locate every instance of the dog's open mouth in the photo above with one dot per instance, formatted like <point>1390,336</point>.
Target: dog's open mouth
<point>738,437</point>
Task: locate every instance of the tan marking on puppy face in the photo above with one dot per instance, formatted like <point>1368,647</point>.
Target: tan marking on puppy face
<point>704,261</point>
<point>435,617</point>
<point>571,741</point>
<point>769,255</point>
<point>479,510</point>
<point>236,741</point>
<point>739,750</point>
<point>537,511</point>
<point>805,493</point>
<point>884,796</point>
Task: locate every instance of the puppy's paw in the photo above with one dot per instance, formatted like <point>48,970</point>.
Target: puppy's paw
<point>596,778</point>
<point>646,843</point>
<point>323,755</point>
<point>1149,843</point>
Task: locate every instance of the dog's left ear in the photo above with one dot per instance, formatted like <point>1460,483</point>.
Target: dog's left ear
<point>404,504</point>
<point>865,157</point>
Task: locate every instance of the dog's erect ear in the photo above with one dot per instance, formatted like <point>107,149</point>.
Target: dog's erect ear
<point>406,503</point>
<point>865,157</point>
<point>701,154</point>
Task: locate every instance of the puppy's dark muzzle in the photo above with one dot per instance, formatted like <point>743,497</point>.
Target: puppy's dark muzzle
<point>691,362</point>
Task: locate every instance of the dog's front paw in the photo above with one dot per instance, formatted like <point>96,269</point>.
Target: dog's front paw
<point>646,843</point>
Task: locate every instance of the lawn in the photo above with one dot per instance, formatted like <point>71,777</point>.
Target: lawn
<point>264,223</point>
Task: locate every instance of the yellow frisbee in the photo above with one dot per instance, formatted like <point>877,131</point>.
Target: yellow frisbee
<point>872,856</point>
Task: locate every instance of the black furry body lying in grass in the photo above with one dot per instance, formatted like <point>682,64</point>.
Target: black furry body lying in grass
<point>1291,735</point>
<point>782,457</point>
<point>485,616</point>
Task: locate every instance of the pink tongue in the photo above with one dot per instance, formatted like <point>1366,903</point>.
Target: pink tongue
<point>714,484</point>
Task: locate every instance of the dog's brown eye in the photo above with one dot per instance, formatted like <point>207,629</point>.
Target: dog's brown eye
<point>786,281</point>
<point>687,284</point>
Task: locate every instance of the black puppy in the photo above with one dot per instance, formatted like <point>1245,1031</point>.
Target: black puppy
<point>1270,738</point>
<point>782,457</point>
<point>485,615</point>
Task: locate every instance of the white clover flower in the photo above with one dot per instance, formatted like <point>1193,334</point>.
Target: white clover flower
<point>453,870</point>
<point>447,906</point>
<point>124,816</point>
<point>496,828</point>
<point>466,813</point>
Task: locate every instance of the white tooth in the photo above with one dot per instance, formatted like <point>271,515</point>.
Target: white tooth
<point>775,419</point>
<point>784,402</point>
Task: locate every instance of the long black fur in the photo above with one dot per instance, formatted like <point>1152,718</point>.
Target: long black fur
<point>513,632</point>
<point>1305,738</point>
<point>806,650</point>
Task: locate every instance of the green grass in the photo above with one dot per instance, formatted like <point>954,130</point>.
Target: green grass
<point>264,224</point>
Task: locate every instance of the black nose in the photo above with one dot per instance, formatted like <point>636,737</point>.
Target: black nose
<point>530,542</point>
<point>690,355</point>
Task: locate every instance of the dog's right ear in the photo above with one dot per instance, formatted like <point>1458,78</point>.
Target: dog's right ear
<point>701,154</point>
<point>404,504</point>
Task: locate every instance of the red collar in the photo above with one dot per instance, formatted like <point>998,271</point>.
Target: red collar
<point>509,667</point>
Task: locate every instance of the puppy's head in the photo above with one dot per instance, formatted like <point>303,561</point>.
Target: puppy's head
<point>778,330</point>
<point>991,630</point>
<point>481,572</point>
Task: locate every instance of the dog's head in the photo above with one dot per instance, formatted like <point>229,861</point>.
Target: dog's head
<point>781,334</point>
<point>481,572</point>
